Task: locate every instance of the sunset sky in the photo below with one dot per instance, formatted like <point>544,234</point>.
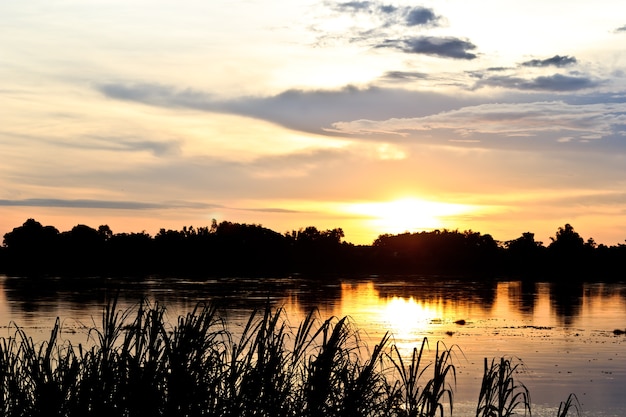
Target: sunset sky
<point>497,116</point>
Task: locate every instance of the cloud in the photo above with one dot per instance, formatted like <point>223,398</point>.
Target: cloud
<point>387,9</point>
<point>583,122</point>
<point>270,210</point>
<point>124,144</point>
<point>421,16</point>
<point>399,116</point>
<point>405,75</point>
<point>497,69</point>
<point>101,204</point>
<point>157,94</point>
<point>371,23</point>
<point>556,82</point>
<point>389,14</point>
<point>443,47</point>
<point>555,61</point>
<point>354,6</point>
<point>131,205</point>
<point>621,29</point>
<point>308,111</point>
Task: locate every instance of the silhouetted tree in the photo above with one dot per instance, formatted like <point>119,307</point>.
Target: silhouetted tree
<point>238,249</point>
<point>32,248</point>
<point>317,251</point>
<point>82,249</point>
<point>439,251</point>
<point>566,240</point>
<point>569,257</point>
<point>249,248</point>
<point>31,235</point>
<point>525,255</point>
<point>131,253</point>
<point>105,232</point>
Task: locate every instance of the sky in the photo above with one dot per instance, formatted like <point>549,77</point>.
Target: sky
<point>502,117</point>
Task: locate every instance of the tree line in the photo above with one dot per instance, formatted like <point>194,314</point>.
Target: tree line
<point>237,249</point>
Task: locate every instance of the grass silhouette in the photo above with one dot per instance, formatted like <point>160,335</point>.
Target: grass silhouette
<point>139,365</point>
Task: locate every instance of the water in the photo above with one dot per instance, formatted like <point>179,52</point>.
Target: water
<point>564,335</point>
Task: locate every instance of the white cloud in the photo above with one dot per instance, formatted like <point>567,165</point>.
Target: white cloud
<point>511,119</point>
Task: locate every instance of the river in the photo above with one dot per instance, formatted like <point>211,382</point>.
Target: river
<point>565,335</point>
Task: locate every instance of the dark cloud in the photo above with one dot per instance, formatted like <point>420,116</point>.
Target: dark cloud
<point>559,82</point>
<point>555,61</point>
<point>444,47</point>
<point>621,29</point>
<point>389,14</point>
<point>388,9</point>
<point>154,93</point>
<point>480,74</point>
<point>354,6</point>
<point>420,16</point>
<point>556,82</point>
<point>406,75</point>
<point>128,205</point>
<point>308,111</point>
<point>100,204</point>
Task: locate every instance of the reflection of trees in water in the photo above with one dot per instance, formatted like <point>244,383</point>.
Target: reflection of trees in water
<point>43,295</point>
<point>566,300</point>
<point>239,295</point>
<point>430,289</point>
<point>528,296</point>
<point>318,294</point>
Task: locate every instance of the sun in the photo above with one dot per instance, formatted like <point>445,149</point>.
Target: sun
<point>407,214</point>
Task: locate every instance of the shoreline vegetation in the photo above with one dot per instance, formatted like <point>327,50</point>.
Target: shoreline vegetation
<point>235,249</point>
<point>136,364</point>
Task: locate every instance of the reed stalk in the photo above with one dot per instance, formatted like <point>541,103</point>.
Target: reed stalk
<point>500,395</point>
<point>571,404</point>
<point>136,364</point>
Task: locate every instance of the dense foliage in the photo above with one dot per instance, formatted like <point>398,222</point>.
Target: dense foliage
<point>140,366</point>
<point>234,249</point>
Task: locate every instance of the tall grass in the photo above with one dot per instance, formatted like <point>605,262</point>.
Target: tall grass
<point>500,395</point>
<point>135,364</point>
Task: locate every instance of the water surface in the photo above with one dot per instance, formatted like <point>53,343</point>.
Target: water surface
<point>563,334</point>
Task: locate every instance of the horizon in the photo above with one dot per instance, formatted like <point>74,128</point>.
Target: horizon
<point>373,116</point>
<point>542,242</point>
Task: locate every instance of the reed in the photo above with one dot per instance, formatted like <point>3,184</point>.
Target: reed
<point>427,399</point>
<point>136,364</point>
<point>571,403</point>
<point>500,395</point>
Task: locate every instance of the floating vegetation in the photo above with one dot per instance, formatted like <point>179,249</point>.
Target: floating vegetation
<point>137,365</point>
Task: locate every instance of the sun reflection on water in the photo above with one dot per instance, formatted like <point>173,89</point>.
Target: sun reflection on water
<point>407,319</point>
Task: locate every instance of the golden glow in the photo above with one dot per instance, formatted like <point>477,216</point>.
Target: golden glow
<point>406,318</point>
<point>390,152</point>
<point>407,214</point>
